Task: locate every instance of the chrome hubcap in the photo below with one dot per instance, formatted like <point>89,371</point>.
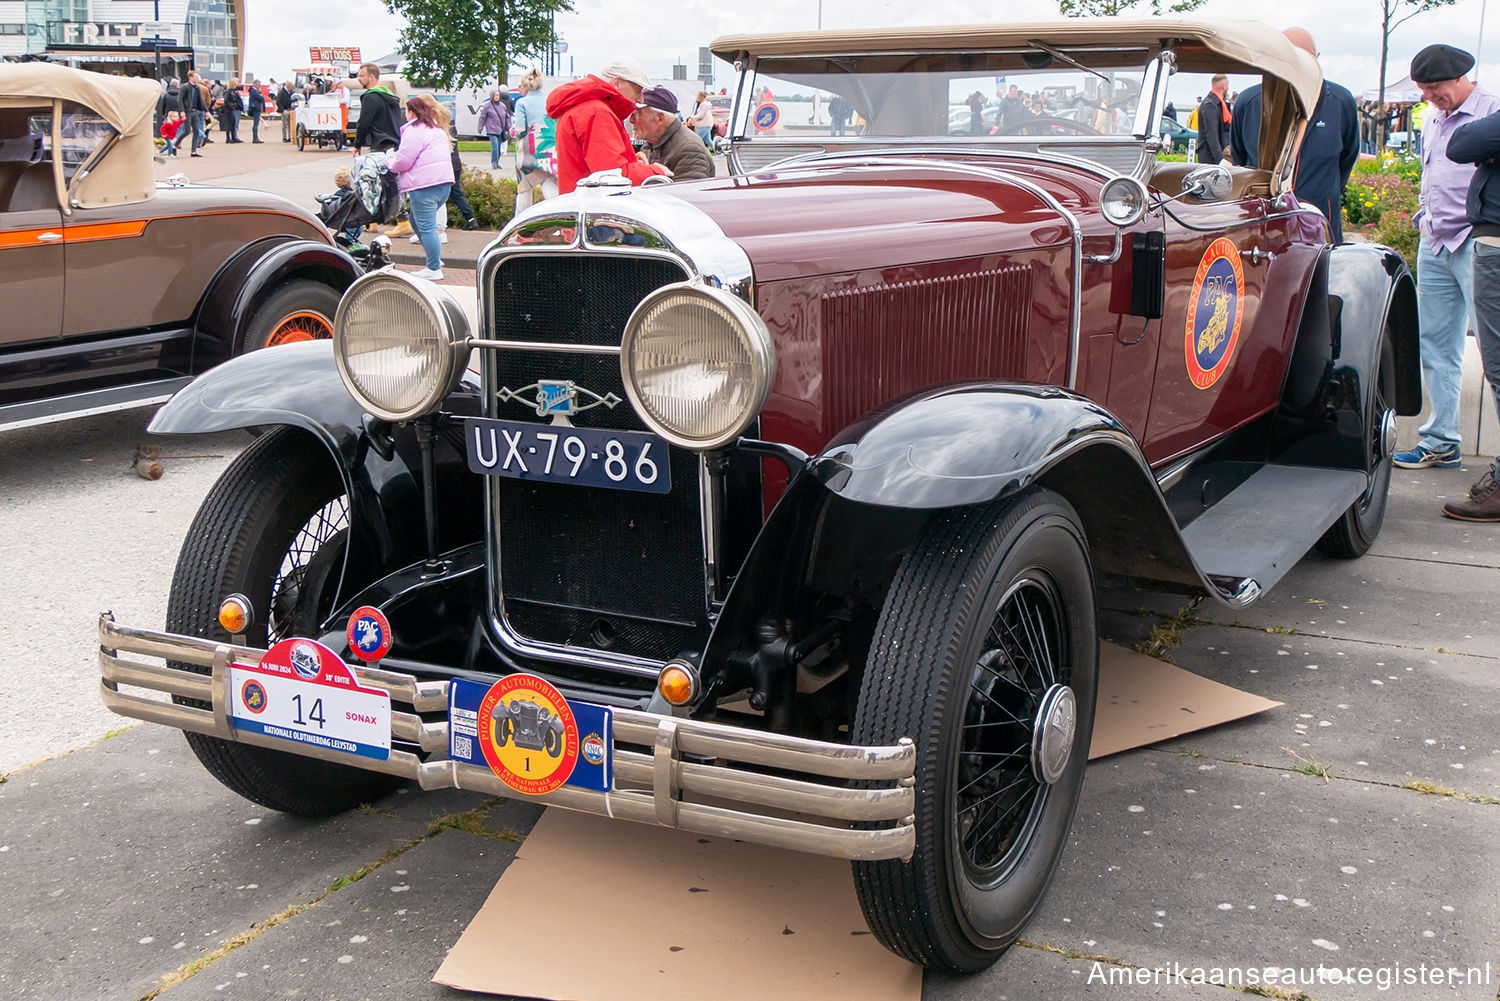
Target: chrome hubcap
<point>1052,735</point>
<point>1388,433</point>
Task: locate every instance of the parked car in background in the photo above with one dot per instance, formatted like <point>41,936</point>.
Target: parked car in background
<point>1177,135</point>
<point>793,509</point>
<point>117,290</point>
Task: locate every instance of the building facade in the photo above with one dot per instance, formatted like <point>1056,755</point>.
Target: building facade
<point>115,35</point>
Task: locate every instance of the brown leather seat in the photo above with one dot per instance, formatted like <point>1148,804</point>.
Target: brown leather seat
<point>33,189</point>
<point>1245,182</point>
<point>10,173</point>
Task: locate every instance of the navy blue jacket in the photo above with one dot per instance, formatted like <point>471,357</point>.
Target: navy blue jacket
<point>1479,142</point>
<point>1329,150</point>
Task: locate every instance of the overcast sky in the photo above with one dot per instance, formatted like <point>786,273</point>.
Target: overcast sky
<point>661,32</point>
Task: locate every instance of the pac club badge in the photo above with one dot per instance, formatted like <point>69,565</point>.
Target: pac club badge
<point>528,734</point>
<point>1214,313</point>
<point>369,634</point>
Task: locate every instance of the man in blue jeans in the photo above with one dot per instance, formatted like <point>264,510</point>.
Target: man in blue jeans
<point>1445,290</point>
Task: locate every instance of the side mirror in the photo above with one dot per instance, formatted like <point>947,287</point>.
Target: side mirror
<point>721,145</point>
<point>1208,183</point>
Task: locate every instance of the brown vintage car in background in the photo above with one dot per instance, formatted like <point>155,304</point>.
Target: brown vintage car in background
<point>795,486</point>
<point>116,290</point>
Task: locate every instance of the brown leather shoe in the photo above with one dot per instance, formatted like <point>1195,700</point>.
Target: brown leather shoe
<point>1482,504</point>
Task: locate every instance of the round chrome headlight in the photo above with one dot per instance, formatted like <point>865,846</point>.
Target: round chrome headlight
<point>1123,201</point>
<point>400,344</point>
<point>697,364</point>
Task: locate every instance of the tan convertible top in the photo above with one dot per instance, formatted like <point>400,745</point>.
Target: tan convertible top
<point>1200,46</point>
<point>123,172</point>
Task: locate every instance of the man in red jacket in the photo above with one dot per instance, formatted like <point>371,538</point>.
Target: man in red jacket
<point>590,115</point>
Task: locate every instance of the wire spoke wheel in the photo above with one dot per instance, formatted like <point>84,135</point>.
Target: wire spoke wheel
<point>999,793</point>
<point>304,325</point>
<point>986,655</point>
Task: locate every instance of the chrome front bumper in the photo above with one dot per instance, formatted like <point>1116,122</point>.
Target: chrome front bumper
<point>729,768</point>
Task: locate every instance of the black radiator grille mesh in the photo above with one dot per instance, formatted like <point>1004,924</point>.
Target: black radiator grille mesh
<point>603,569</point>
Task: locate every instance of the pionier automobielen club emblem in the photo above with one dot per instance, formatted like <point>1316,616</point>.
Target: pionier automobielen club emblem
<point>1215,310</point>
<point>528,734</point>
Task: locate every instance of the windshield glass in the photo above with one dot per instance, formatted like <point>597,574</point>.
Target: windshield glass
<point>936,97</point>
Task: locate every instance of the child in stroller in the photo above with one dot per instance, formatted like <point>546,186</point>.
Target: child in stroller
<point>345,213</point>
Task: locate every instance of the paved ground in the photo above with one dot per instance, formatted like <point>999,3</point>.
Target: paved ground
<point>125,868</point>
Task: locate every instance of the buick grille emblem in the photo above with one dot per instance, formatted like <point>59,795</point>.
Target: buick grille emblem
<point>557,397</point>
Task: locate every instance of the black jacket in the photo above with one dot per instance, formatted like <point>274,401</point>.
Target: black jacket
<point>168,102</point>
<point>190,97</point>
<point>1213,131</point>
<point>1479,142</point>
<point>284,99</point>
<point>379,121</point>
<point>257,100</point>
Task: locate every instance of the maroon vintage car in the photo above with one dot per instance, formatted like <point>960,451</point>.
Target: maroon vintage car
<point>116,290</point>
<point>788,492</point>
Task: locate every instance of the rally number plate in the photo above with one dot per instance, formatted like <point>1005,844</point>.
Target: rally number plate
<point>302,692</point>
<point>557,453</point>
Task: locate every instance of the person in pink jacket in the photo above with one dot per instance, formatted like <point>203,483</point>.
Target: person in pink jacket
<point>426,173</point>
<point>590,132</point>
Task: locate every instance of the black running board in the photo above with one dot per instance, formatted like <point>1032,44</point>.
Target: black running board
<point>97,401</point>
<point>1249,540</point>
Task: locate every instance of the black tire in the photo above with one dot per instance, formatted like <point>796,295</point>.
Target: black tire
<point>552,742</point>
<point>300,310</point>
<point>1357,528</point>
<point>273,528</point>
<point>507,731</point>
<point>962,662</point>
<point>301,138</point>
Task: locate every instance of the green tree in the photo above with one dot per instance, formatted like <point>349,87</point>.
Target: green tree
<point>1113,8</point>
<point>467,43</point>
<point>1391,18</point>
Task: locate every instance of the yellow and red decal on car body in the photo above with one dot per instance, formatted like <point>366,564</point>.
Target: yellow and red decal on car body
<point>1215,311</point>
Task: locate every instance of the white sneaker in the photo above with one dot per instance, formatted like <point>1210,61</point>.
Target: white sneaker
<point>429,274</point>
<point>444,235</point>
<point>414,238</point>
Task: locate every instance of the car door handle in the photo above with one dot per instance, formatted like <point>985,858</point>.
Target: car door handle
<point>1256,255</point>
<point>49,237</point>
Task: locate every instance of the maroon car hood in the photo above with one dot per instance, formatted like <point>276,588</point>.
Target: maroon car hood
<point>828,219</point>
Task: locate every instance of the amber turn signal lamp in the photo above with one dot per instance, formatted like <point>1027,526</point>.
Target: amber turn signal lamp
<point>235,614</point>
<point>678,683</point>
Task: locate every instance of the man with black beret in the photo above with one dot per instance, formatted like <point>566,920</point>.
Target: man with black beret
<point>1445,289</point>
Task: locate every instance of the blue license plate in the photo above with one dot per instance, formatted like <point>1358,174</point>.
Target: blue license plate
<point>555,453</point>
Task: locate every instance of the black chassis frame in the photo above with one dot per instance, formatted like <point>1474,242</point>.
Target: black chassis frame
<point>67,377</point>
<point>816,572</point>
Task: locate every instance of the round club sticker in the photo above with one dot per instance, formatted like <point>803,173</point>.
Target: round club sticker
<point>369,634</point>
<point>528,734</point>
<point>253,694</point>
<point>766,117</point>
<point>1214,313</point>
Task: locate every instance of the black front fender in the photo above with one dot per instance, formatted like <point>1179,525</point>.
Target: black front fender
<point>298,385</point>
<point>245,280</point>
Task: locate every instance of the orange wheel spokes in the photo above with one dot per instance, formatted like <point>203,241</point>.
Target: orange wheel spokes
<point>303,326</point>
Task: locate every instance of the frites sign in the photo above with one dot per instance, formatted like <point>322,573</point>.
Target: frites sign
<point>333,54</point>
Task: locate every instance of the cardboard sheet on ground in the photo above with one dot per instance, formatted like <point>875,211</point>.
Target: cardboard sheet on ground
<point>1143,700</point>
<point>599,910</point>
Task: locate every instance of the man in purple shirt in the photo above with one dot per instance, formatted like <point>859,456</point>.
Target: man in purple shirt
<point>1445,289</point>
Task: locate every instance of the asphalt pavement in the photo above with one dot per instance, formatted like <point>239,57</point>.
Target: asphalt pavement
<point>1355,828</point>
